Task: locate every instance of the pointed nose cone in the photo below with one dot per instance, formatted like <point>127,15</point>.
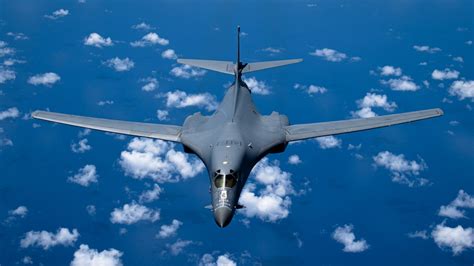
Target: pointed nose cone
<point>223,216</point>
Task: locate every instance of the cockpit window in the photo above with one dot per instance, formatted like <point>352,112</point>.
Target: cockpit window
<point>221,180</point>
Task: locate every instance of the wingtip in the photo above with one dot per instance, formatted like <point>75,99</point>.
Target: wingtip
<point>35,114</point>
<point>439,111</point>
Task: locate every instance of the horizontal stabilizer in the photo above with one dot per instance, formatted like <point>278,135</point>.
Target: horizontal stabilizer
<point>251,67</point>
<point>225,67</point>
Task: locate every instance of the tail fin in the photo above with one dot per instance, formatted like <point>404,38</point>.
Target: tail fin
<point>237,68</point>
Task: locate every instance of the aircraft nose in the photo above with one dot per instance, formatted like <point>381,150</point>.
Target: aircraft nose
<point>223,216</point>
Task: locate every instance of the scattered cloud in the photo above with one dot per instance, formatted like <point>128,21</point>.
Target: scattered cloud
<point>149,40</point>
<point>105,102</point>
<point>403,171</point>
<point>222,260</point>
<point>458,59</point>
<point>180,99</point>
<point>169,230</point>
<point>256,86</point>
<point>169,54</point>
<point>46,79</point>
<point>120,65</point>
<point>390,71</point>
<point>373,100</point>
<point>404,83</point>
<point>58,14</point>
<point>329,142</point>
<point>272,50</point>
<point>91,210</point>
<point>462,89</point>
<point>86,256</point>
<point>345,236</point>
<point>187,72</point>
<point>453,209</point>
<point>151,195</point>
<point>94,39</point>
<point>329,55</point>
<point>5,50</point>
<point>11,112</point>
<point>151,84</point>
<point>133,213</point>
<point>27,260</point>
<point>18,35</point>
<point>311,89</point>
<point>426,49</point>
<point>6,75</point>
<point>162,115</point>
<point>272,201</point>
<point>85,176</point>
<point>298,239</point>
<point>456,238</point>
<point>142,26</point>
<point>177,247</point>
<point>294,159</point>
<point>46,240</point>
<point>444,74</point>
<point>158,160</point>
<point>81,147</point>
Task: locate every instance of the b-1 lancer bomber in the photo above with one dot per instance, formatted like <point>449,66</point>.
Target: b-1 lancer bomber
<point>236,136</point>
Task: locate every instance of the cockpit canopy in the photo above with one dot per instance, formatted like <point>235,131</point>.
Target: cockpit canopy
<point>225,180</point>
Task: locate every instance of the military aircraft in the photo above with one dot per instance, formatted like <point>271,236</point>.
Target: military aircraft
<point>236,136</point>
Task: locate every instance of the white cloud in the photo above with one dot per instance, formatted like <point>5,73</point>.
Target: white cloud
<point>81,147</point>
<point>458,59</point>
<point>468,42</point>
<point>11,112</point>
<point>5,50</point>
<point>133,213</point>
<point>402,170</point>
<point>444,74</point>
<point>162,115</point>
<point>186,72</point>
<point>169,230</point>
<point>94,39</point>
<point>456,238</point>
<point>158,160</point>
<point>329,142</point>
<point>452,210</point>
<point>426,49</point>
<point>151,195</point>
<point>419,234</point>
<point>177,247</point>
<point>58,14</point>
<point>272,50</point>
<point>180,99</point>
<point>345,236</point>
<point>463,89</point>
<point>120,65</point>
<point>329,54</point>
<point>169,54</point>
<point>6,75</point>
<point>85,176</point>
<point>142,26</point>
<point>47,79</point>
<point>390,71</point>
<point>311,89</point>
<point>21,211</point>
<point>46,239</point>
<point>149,40</point>
<point>27,260</point>
<point>256,86</point>
<point>272,201</point>
<point>86,256</point>
<point>151,84</point>
<point>370,101</point>
<point>294,159</point>
<point>404,83</point>
<point>105,102</point>
<point>222,260</point>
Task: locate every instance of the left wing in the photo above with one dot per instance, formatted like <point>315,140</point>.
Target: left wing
<point>306,131</point>
<point>156,131</point>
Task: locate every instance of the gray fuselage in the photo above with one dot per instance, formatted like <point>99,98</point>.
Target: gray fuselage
<point>230,142</point>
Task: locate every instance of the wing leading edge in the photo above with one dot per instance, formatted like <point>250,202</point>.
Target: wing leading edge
<point>314,130</point>
<point>156,131</point>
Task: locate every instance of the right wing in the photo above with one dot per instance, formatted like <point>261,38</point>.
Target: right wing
<point>306,131</point>
<point>156,131</point>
